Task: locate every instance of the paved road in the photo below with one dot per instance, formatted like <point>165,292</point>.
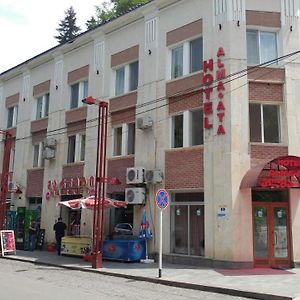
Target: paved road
<point>19,280</point>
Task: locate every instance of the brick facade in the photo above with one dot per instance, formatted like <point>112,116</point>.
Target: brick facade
<point>34,186</point>
<point>261,153</point>
<point>184,168</point>
<point>185,102</point>
<point>123,116</point>
<point>74,170</point>
<point>265,92</point>
<point>117,168</point>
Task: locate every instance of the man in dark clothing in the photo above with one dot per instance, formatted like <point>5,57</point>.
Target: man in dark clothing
<point>59,228</point>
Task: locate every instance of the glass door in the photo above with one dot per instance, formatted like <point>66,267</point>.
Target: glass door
<point>271,234</point>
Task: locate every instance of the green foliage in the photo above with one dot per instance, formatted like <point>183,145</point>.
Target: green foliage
<point>67,27</point>
<point>109,10</point>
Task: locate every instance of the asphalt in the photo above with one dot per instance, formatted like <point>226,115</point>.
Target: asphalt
<point>252,283</point>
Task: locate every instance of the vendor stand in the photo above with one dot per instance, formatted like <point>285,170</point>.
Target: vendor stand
<point>119,247</point>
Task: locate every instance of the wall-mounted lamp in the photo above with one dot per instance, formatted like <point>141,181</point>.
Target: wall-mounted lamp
<point>56,87</point>
<point>149,52</point>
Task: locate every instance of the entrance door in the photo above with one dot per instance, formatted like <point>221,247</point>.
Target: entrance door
<point>271,234</point>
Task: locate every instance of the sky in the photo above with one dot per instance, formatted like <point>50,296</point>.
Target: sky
<point>28,27</point>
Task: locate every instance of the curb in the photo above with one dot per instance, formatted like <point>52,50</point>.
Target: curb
<point>185,285</point>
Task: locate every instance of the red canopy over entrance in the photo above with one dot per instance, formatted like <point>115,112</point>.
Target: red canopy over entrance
<point>282,172</point>
<point>90,202</point>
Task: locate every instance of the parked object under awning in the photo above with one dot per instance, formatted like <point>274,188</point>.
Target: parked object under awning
<point>89,202</point>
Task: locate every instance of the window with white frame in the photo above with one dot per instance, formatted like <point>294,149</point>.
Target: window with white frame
<point>79,91</point>
<point>261,46</point>
<point>126,79</point>
<point>187,129</point>
<point>38,160</point>
<point>265,123</point>
<point>76,148</point>
<point>12,114</point>
<point>42,106</point>
<point>124,139</point>
<point>186,58</point>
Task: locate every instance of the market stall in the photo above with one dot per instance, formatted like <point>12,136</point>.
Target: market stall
<point>125,247</point>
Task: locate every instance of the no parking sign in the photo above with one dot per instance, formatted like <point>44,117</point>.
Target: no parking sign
<point>162,199</point>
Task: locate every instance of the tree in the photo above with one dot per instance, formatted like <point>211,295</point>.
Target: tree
<point>68,29</point>
<point>109,10</point>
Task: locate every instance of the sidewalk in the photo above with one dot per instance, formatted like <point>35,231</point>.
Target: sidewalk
<point>254,283</point>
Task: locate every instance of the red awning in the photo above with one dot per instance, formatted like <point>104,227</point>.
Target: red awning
<point>281,173</point>
<point>90,202</point>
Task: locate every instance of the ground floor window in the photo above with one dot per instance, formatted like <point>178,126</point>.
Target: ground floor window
<point>119,215</point>
<point>35,204</point>
<point>73,217</point>
<point>187,224</point>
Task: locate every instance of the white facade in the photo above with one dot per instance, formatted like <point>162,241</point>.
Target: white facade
<point>152,32</point>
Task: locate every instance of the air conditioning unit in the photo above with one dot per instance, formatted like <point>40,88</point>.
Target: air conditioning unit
<point>153,176</point>
<point>144,122</point>
<point>48,153</point>
<point>135,175</point>
<point>135,195</point>
<point>12,186</point>
<point>50,143</point>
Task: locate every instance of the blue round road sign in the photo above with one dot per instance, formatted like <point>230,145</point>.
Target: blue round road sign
<point>162,199</point>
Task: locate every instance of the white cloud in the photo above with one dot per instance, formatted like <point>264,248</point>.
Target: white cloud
<point>28,27</point>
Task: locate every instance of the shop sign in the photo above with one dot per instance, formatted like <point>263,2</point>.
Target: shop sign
<point>277,178</point>
<point>70,186</point>
<point>208,81</point>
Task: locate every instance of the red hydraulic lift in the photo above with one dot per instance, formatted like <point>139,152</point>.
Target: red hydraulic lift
<point>4,176</point>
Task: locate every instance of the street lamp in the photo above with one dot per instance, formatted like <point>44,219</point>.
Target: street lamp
<point>98,228</point>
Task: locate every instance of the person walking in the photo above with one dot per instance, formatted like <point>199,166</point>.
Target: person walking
<point>32,230</point>
<point>59,228</point>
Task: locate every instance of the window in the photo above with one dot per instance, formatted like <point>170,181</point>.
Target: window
<point>187,224</point>
<point>120,80</point>
<point>12,116</point>
<point>177,62</point>
<point>117,141</point>
<point>131,138</point>
<point>134,76</point>
<point>178,131</point>
<point>187,58</point>
<point>187,129</point>
<point>264,123</point>
<point>127,78</point>
<point>197,127</point>
<point>261,46</point>
<point>78,92</point>
<point>124,140</point>
<point>76,148</point>
<point>38,160</point>
<point>42,106</point>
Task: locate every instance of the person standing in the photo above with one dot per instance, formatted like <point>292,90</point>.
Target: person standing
<point>59,228</point>
<point>32,235</point>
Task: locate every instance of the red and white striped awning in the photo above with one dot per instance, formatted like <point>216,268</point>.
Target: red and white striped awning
<point>90,202</point>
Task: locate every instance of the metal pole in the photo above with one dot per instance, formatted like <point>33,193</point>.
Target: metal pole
<point>104,106</point>
<point>160,244</point>
<point>98,228</point>
<point>4,176</point>
<point>95,254</point>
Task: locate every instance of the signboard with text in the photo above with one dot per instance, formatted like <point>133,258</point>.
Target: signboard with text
<point>7,242</point>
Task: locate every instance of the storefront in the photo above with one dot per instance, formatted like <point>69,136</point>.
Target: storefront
<point>272,210</point>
